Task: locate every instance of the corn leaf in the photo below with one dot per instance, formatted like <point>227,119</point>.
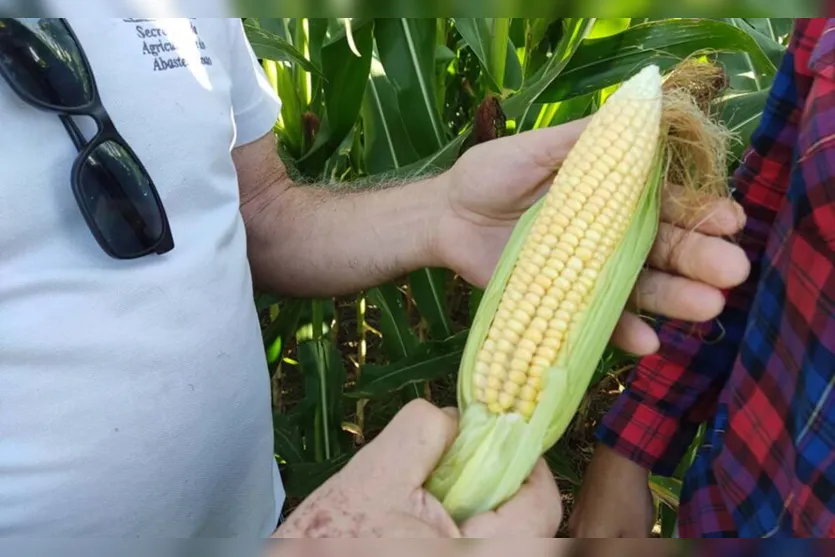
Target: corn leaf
<point>667,490</point>
<point>325,375</point>
<point>343,89</point>
<point>429,289</point>
<point>399,340</point>
<point>741,113</point>
<point>270,46</point>
<point>287,439</point>
<point>574,32</point>
<point>504,72</point>
<point>302,479</point>
<point>431,360</point>
<point>600,63</point>
<point>386,144</point>
<point>407,52</point>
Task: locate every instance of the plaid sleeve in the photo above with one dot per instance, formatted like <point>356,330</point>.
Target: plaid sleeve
<point>671,392</point>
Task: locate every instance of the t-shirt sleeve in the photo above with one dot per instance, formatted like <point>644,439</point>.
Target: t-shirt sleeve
<point>255,104</point>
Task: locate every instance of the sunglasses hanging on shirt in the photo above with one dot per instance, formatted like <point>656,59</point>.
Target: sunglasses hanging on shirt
<point>44,63</point>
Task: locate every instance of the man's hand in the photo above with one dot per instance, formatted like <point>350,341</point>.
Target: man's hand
<point>380,491</point>
<point>495,182</point>
<point>615,500</point>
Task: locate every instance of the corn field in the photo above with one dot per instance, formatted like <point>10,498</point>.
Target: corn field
<point>367,98</point>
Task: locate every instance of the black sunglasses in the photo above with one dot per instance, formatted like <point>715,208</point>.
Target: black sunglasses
<point>43,62</point>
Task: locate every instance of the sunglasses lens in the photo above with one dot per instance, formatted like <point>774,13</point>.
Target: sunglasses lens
<point>40,56</point>
<point>117,194</point>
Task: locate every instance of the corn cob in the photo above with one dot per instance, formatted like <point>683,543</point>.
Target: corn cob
<point>554,300</point>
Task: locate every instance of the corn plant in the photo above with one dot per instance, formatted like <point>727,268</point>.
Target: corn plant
<point>370,98</point>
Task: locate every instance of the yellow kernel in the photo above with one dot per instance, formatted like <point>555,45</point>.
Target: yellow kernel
<point>575,263</point>
<point>518,377</point>
<point>511,336</point>
<point>542,281</point>
<point>583,253</point>
<point>537,259</point>
<point>575,295</point>
<point>561,220</point>
<point>505,400</point>
<point>518,365</point>
<point>560,253</point>
<point>526,307</point>
<point>532,298</point>
<point>512,388</point>
<point>593,235</point>
<point>540,364</point>
<point>608,160</point>
<point>576,229</point>
<point>524,355</point>
<point>515,326</point>
<point>535,383</point>
<point>562,284</point>
<point>539,324</point>
<point>577,196</point>
<point>550,240</point>
<point>569,274</point>
<point>504,346</point>
<point>545,312</point>
<point>536,290</point>
<point>494,407</point>
<point>574,205</point>
<point>548,353</point>
<point>567,212</point>
<point>534,335</point>
<point>525,407</point>
<point>584,188</point>
<point>527,343</point>
<point>491,395</point>
<point>597,174</point>
<point>596,204</point>
<point>527,393</point>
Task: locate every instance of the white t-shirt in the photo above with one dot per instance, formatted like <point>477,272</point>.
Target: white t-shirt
<point>134,395</point>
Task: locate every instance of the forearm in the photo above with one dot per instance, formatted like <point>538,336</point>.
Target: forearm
<point>329,240</point>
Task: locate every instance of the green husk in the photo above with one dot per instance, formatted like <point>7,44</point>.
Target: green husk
<point>494,454</point>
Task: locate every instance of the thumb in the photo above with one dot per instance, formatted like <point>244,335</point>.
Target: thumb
<point>409,449</point>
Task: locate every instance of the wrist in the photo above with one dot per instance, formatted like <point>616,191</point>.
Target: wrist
<point>432,195</point>
<point>612,457</point>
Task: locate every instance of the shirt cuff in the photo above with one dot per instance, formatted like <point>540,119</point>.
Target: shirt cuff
<point>639,431</point>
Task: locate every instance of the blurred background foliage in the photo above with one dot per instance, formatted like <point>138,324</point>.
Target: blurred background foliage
<point>368,98</point>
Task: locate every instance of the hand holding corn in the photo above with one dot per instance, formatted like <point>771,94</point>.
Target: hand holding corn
<point>559,278</point>
<point>380,493</point>
<point>496,182</point>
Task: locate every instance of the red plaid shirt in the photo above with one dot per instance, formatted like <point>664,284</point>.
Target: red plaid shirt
<point>762,374</point>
